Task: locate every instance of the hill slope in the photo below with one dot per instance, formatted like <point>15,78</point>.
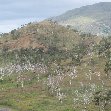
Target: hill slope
<point>40,35</point>
<point>47,67</point>
<point>93,19</point>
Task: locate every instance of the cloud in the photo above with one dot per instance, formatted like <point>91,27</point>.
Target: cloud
<point>8,25</point>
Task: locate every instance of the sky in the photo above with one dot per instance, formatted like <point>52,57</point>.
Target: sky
<point>14,13</point>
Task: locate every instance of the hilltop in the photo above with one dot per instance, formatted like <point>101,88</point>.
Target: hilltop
<point>94,19</point>
<point>40,35</point>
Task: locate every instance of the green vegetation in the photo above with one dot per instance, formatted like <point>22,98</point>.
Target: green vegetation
<point>56,75</point>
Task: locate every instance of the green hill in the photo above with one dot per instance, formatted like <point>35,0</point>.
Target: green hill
<point>47,67</point>
<point>42,34</point>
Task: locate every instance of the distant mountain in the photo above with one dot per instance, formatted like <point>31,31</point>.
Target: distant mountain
<point>94,19</point>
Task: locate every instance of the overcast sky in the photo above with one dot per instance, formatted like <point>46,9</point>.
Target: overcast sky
<point>14,13</point>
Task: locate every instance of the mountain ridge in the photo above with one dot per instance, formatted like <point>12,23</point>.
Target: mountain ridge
<point>94,19</point>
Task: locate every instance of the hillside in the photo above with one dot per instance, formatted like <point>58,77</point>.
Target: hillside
<point>40,35</point>
<point>47,67</point>
<point>94,19</point>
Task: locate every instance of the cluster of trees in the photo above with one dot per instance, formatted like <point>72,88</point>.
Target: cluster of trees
<point>15,34</point>
<point>103,49</point>
<point>103,100</point>
<point>39,55</point>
